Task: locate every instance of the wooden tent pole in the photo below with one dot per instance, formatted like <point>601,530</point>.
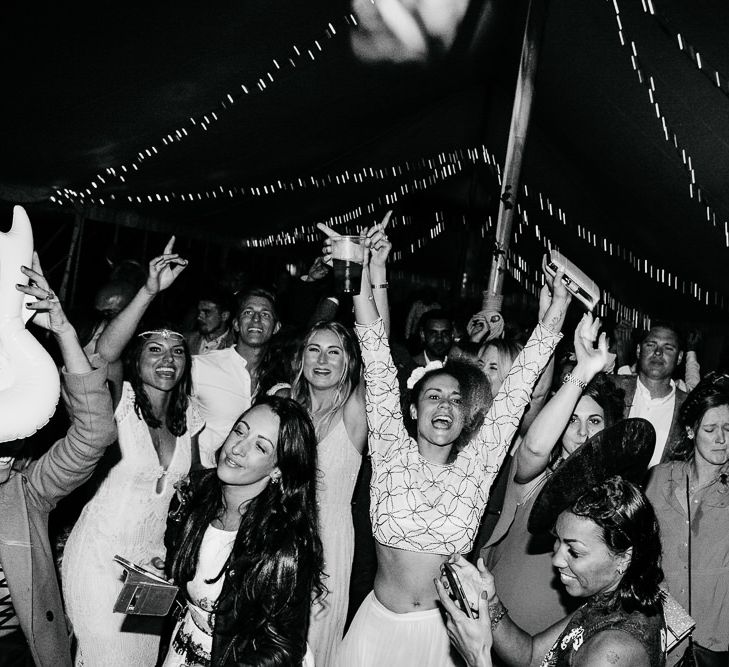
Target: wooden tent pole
<point>520,113</point>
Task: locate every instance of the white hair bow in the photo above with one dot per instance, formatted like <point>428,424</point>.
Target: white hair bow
<point>418,373</point>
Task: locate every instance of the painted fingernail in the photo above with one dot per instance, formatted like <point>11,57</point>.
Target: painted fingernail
<point>484,595</point>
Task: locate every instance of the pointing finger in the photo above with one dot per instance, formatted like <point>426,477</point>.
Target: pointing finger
<point>327,230</point>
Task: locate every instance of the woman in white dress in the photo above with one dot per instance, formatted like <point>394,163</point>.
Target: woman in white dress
<point>247,552</point>
<point>127,515</point>
<point>327,385</point>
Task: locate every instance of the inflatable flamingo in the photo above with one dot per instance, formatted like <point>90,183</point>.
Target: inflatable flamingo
<point>29,382</point>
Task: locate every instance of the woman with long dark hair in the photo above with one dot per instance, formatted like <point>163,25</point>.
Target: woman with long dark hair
<point>127,516</point>
<point>327,383</point>
<point>697,481</point>
<point>247,553</point>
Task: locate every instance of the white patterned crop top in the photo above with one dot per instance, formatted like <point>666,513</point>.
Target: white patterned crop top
<point>417,505</point>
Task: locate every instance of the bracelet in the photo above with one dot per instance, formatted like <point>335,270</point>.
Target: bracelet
<point>575,381</point>
<point>496,613</point>
<point>382,286</point>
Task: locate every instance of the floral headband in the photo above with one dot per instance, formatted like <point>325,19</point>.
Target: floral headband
<point>420,371</point>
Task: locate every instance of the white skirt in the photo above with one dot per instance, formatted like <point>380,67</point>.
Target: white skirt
<point>379,637</point>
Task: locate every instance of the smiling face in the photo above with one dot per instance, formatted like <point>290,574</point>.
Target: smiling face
<point>161,362</point>
<point>248,456</point>
<point>256,321</point>
<point>323,361</point>
<point>712,438</point>
<point>585,564</point>
<point>587,419</point>
<point>659,354</point>
<point>488,362</point>
<point>439,412</point>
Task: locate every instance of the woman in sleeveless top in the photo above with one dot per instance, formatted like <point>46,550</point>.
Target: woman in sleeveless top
<point>156,425</point>
<point>327,384</point>
<point>607,550</point>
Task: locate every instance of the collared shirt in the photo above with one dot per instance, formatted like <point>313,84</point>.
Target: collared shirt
<point>428,360</point>
<point>201,345</point>
<point>658,411</point>
<point>709,547</point>
<point>222,388</point>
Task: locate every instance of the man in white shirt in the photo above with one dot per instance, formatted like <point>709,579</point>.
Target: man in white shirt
<point>652,394</point>
<point>225,381</point>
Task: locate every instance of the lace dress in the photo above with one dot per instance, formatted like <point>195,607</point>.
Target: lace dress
<point>127,516</point>
<point>192,639</point>
<point>339,464</point>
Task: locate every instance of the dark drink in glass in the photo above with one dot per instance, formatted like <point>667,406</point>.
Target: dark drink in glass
<point>347,255</point>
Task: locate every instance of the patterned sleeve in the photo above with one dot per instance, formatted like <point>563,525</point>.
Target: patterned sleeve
<point>502,419</point>
<point>385,426</point>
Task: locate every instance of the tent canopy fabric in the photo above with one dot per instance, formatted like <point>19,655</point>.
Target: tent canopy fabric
<point>88,89</point>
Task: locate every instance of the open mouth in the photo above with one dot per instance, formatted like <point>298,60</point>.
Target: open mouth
<point>322,371</point>
<point>230,462</point>
<point>166,371</point>
<point>442,421</point>
<point>255,330</point>
<point>6,461</point>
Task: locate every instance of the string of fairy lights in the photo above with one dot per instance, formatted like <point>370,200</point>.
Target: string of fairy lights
<point>296,57</point>
<point>696,192</point>
<point>420,174</point>
<point>701,62</point>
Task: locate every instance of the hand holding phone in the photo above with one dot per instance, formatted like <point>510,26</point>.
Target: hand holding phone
<point>456,589</point>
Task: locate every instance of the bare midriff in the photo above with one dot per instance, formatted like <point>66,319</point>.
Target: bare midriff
<point>404,580</point>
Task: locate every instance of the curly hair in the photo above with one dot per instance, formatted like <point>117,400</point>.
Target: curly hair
<point>475,392</point>
<point>176,420</point>
<point>275,568</point>
<point>300,389</point>
<point>628,521</point>
<point>711,392</point>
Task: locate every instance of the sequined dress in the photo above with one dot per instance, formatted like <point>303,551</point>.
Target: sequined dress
<point>126,516</point>
<point>600,614</point>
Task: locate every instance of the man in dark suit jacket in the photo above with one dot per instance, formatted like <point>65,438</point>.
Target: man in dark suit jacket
<point>652,394</point>
<point>436,334</point>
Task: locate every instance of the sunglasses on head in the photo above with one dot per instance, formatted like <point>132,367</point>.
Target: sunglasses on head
<point>164,333</point>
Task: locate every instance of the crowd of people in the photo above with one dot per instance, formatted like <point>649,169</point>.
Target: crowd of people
<point>331,491</point>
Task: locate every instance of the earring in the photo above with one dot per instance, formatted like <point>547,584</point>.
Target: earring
<point>275,479</point>
<point>621,570</point>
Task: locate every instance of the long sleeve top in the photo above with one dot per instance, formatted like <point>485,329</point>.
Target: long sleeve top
<point>418,505</point>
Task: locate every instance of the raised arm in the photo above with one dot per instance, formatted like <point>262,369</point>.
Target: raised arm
<point>70,461</point>
<point>163,271</point>
<point>379,249</point>
<point>502,419</point>
<point>535,449</point>
<point>50,316</point>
